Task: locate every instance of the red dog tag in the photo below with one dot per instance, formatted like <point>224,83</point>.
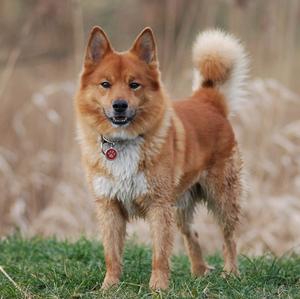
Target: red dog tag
<point>111,154</point>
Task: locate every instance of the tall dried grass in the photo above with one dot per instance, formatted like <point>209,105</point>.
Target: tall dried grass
<point>41,196</point>
<point>42,185</point>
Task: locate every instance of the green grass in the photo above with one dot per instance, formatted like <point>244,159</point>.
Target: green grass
<point>53,269</point>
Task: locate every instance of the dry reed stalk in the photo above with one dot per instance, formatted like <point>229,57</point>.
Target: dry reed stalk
<point>16,51</point>
<point>25,294</point>
<point>78,34</point>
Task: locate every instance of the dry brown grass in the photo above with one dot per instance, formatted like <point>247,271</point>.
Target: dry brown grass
<point>42,196</point>
<point>42,185</point>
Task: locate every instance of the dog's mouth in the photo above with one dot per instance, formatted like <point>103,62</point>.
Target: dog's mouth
<point>120,120</point>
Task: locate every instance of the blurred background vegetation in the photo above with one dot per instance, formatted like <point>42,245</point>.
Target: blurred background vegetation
<point>42,42</point>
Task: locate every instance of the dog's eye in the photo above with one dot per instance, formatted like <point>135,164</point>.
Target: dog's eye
<point>105,84</point>
<point>134,85</point>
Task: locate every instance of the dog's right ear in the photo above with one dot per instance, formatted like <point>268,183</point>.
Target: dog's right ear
<point>98,46</point>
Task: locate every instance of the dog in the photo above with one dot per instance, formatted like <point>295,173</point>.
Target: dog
<point>147,156</point>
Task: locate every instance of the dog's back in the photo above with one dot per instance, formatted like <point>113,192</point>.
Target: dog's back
<point>220,70</point>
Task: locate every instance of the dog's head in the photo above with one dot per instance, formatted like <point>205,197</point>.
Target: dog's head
<point>120,93</point>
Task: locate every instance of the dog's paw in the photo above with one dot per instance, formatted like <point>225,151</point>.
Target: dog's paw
<point>159,281</point>
<point>227,271</point>
<point>202,270</point>
<point>109,281</point>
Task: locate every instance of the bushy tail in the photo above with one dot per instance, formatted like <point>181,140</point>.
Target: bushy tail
<point>221,62</point>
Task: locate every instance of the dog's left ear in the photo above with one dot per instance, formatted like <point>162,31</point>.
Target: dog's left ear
<point>145,47</point>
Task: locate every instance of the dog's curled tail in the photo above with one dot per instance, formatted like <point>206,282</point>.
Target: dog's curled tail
<point>221,62</point>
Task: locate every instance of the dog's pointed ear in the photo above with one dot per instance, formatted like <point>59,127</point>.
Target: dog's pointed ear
<point>145,46</point>
<point>98,46</point>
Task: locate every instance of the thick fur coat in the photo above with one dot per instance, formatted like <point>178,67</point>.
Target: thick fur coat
<point>169,155</point>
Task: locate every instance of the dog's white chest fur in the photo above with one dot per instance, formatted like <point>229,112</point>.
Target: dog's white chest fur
<point>127,182</point>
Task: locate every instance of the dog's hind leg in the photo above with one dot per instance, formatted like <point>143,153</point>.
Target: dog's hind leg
<point>224,189</point>
<point>184,218</point>
<point>228,219</point>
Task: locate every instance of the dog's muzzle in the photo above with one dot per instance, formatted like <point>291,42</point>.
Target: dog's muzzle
<point>120,114</point>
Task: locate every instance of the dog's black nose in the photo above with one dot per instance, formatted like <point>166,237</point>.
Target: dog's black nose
<point>120,105</point>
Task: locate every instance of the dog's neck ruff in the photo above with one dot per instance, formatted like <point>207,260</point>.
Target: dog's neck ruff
<point>110,147</point>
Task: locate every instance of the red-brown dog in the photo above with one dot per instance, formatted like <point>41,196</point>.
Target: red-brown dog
<point>146,156</point>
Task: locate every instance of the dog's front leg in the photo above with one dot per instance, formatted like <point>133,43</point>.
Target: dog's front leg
<point>113,229</point>
<point>161,220</point>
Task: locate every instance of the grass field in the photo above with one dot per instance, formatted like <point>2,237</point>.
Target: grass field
<point>46,268</point>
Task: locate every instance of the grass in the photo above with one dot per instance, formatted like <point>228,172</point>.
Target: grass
<point>47,268</point>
